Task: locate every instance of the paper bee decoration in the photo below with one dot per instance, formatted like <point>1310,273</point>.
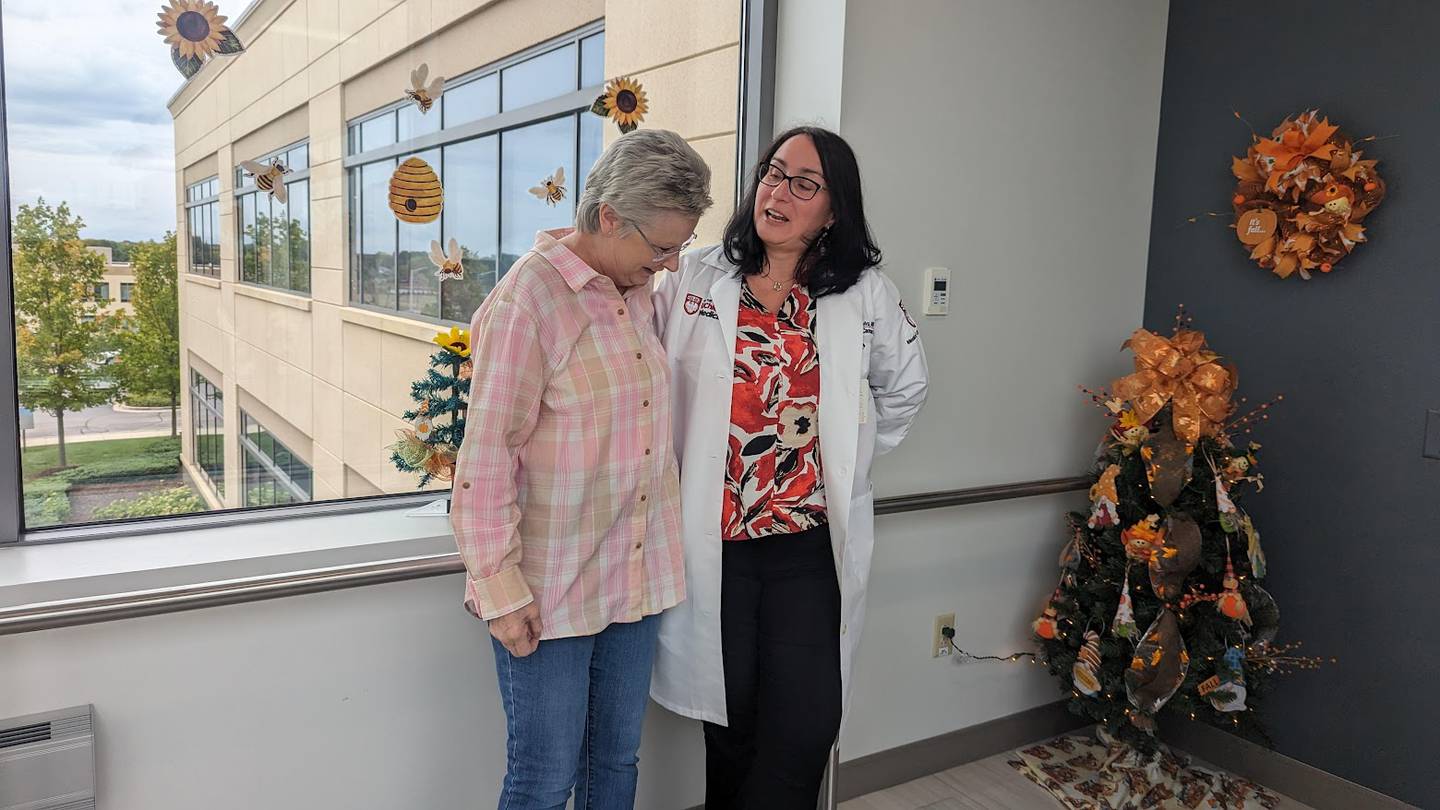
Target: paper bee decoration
<point>424,95</point>
<point>623,102</point>
<point>195,31</point>
<point>268,177</point>
<point>415,192</point>
<point>449,263</point>
<point>552,188</point>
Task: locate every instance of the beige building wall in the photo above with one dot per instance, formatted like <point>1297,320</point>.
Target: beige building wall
<point>328,379</point>
<point>116,273</point>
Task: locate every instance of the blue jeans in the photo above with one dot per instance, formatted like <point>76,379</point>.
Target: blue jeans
<point>574,709</point>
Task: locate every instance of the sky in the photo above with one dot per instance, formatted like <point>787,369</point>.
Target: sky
<point>86,83</point>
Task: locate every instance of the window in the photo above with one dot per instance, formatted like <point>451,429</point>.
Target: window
<point>321,313</point>
<point>273,474</point>
<point>274,236</point>
<point>202,225</point>
<point>207,431</point>
<point>487,168</point>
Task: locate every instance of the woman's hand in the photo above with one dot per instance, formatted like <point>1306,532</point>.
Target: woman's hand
<point>518,631</point>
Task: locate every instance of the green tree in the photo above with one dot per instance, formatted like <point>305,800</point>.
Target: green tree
<point>57,332</point>
<point>149,341</point>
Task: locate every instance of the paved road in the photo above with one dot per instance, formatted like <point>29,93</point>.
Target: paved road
<point>100,422</point>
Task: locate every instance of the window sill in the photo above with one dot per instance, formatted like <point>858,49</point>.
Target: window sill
<point>284,299</point>
<point>393,324</point>
<point>44,572</point>
<point>204,281</point>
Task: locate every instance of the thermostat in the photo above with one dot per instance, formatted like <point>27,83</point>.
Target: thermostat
<point>937,291</point>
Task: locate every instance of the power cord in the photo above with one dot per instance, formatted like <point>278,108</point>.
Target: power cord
<point>948,633</point>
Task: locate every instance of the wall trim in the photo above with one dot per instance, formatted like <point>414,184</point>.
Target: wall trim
<point>1321,790</point>
<point>897,766</point>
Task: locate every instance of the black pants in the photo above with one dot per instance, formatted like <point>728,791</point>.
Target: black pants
<point>780,623</point>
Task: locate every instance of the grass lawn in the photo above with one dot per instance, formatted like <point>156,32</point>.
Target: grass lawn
<point>40,461</point>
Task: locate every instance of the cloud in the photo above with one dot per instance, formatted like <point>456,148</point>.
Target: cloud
<point>87,82</point>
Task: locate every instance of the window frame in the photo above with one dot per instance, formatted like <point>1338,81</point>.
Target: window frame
<point>266,461</point>
<point>200,405</point>
<point>201,203</point>
<point>569,104</point>
<point>756,97</point>
<point>245,186</point>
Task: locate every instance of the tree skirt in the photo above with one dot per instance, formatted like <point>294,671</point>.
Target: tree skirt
<point>1086,772</point>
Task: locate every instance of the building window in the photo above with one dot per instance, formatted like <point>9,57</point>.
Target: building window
<point>207,430</point>
<point>102,292</point>
<point>502,130</point>
<point>274,236</point>
<point>126,290</point>
<point>273,474</point>
<point>202,224</point>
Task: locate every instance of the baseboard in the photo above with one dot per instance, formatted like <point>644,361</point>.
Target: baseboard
<point>1321,790</point>
<point>897,766</point>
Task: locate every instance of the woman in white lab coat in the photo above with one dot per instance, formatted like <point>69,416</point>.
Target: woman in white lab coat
<point>792,363</point>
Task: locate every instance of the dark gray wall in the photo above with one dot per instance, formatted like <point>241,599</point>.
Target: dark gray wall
<point>1350,515</point>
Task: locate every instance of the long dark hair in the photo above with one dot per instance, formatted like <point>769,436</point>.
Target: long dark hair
<point>834,261</point>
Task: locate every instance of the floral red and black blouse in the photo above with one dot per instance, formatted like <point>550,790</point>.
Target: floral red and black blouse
<point>773,483</point>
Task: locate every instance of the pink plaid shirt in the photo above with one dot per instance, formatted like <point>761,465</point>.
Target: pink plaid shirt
<point>566,488</point>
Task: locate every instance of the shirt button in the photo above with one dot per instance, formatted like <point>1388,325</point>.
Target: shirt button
<point>637,546</point>
<point>647,452</point>
<point>620,311</point>
<point>639,356</point>
<point>642,498</point>
<point>645,404</point>
<point>465,485</point>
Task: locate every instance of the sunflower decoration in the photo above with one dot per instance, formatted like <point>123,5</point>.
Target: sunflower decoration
<point>456,341</point>
<point>623,102</point>
<point>1301,196</point>
<point>196,31</point>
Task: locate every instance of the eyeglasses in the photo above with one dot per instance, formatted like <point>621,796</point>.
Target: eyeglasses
<point>661,254</point>
<point>802,187</point>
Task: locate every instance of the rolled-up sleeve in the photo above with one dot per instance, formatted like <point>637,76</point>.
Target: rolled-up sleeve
<point>505,395</point>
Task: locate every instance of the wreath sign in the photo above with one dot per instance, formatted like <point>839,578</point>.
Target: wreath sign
<point>1302,196</point>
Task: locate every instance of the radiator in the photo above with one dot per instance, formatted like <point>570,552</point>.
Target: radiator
<point>47,761</point>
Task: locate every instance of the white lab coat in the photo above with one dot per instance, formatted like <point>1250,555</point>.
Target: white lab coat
<point>873,378</point>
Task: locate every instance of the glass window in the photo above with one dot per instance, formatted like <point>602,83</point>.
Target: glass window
<point>202,227</point>
<point>298,158</point>
<point>528,155</point>
<point>249,228</point>
<point>207,431</point>
<point>126,290</point>
<point>377,236</point>
<point>279,242</point>
<point>592,143</point>
<point>378,132</point>
<point>273,474</point>
<point>414,123</point>
<point>538,78</point>
<point>472,184</point>
<point>275,238</point>
<point>419,287</point>
<point>471,101</point>
<point>592,60</point>
<point>102,292</point>
<point>299,236</point>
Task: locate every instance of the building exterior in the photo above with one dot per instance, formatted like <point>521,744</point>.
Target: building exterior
<point>113,292</point>
<point>303,323</point>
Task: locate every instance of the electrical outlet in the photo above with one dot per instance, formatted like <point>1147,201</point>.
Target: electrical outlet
<point>939,645</point>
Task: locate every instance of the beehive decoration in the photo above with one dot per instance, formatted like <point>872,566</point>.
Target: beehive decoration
<point>415,192</point>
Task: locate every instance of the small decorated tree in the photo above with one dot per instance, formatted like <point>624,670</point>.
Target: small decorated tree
<point>1159,605</point>
<point>437,422</point>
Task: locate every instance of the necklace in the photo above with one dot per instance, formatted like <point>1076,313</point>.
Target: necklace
<point>774,285</point>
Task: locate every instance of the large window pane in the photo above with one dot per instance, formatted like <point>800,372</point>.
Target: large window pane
<point>592,60</point>
<point>378,132</point>
<point>592,143</point>
<point>471,101</point>
<point>249,268</point>
<point>471,207</point>
<point>414,123</point>
<point>538,78</point>
<point>213,232</point>
<point>279,243</point>
<point>377,236</point>
<point>419,287</point>
<point>299,236</point>
<point>529,155</point>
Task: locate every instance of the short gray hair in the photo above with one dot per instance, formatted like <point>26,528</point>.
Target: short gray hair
<point>644,173</point>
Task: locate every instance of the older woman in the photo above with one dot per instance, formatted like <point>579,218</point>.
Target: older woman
<point>793,364</point>
<point>566,502</point>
